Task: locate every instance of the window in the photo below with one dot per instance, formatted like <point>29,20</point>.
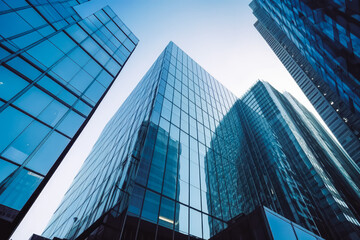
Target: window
<point>33,101</point>
<point>53,113</point>
<point>166,216</point>
<point>48,153</point>
<point>25,144</point>
<point>46,53</point>
<point>280,228</point>
<point>17,26</point>
<point>136,200</point>
<point>95,91</point>
<point>151,206</point>
<point>195,223</point>
<point>71,124</point>
<point>32,17</point>
<point>6,169</point>
<point>182,218</point>
<point>20,189</point>
<point>10,83</point>
<point>12,123</point>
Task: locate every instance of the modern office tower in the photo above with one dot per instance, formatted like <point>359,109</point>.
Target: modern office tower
<point>328,178</point>
<point>55,69</point>
<point>320,49</point>
<point>183,156</point>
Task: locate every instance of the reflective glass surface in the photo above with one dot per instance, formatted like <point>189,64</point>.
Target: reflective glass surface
<point>54,69</point>
<point>183,156</point>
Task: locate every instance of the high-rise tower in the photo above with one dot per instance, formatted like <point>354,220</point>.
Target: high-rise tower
<point>320,49</point>
<point>183,156</point>
<point>55,69</point>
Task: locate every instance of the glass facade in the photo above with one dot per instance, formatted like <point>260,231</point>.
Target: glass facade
<point>327,178</point>
<point>323,67</point>
<point>55,67</point>
<point>183,156</point>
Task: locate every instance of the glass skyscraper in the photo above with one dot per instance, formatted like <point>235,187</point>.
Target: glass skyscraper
<point>55,68</point>
<point>183,156</point>
<point>320,49</point>
<point>327,178</point>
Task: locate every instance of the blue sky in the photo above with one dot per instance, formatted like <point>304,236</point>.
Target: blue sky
<point>219,35</point>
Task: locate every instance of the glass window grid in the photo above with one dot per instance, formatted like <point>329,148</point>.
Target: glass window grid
<point>8,63</point>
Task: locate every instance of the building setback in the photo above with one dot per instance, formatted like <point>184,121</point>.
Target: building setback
<point>183,157</point>
<point>319,48</point>
<point>55,68</point>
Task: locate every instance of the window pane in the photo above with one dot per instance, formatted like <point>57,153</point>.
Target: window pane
<point>6,169</point>
<point>12,122</point>
<point>33,101</point>
<point>280,228</point>
<point>10,83</point>
<point>48,153</point>
<point>303,235</point>
<point>20,189</point>
<point>151,206</point>
<point>182,218</point>
<point>136,200</point>
<point>18,25</point>
<point>71,124</point>
<point>25,144</point>
<point>46,53</point>
<point>53,113</point>
<point>166,217</point>
<point>195,223</point>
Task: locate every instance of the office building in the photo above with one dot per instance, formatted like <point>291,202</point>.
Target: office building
<point>55,68</point>
<point>312,49</point>
<point>326,176</point>
<point>183,158</point>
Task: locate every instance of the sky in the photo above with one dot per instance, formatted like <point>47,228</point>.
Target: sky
<point>219,35</point>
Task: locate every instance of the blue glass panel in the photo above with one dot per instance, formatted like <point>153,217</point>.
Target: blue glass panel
<point>303,235</point>
<point>136,200</point>
<point>10,83</point>
<point>71,124</point>
<point>53,113</point>
<point>33,101</point>
<point>25,144</point>
<point>24,68</point>
<point>151,206</point>
<point>6,169</point>
<point>81,80</point>
<point>77,33</point>
<point>62,42</point>
<point>182,218</point>
<point>95,91</point>
<point>17,26</point>
<point>104,78</point>
<point>80,56</point>
<point>195,223</point>
<point>66,69</point>
<point>166,216</point>
<point>46,53</point>
<point>82,107</point>
<point>48,153</point>
<point>280,228</point>
<point>20,189</point>
<point>206,226</point>
<point>12,123</point>
<point>32,17</point>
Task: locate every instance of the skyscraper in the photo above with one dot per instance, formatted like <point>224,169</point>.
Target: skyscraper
<point>55,69</point>
<point>183,156</point>
<point>326,176</point>
<point>319,48</point>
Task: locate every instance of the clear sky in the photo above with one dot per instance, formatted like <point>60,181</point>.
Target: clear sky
<point>219,35</point>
